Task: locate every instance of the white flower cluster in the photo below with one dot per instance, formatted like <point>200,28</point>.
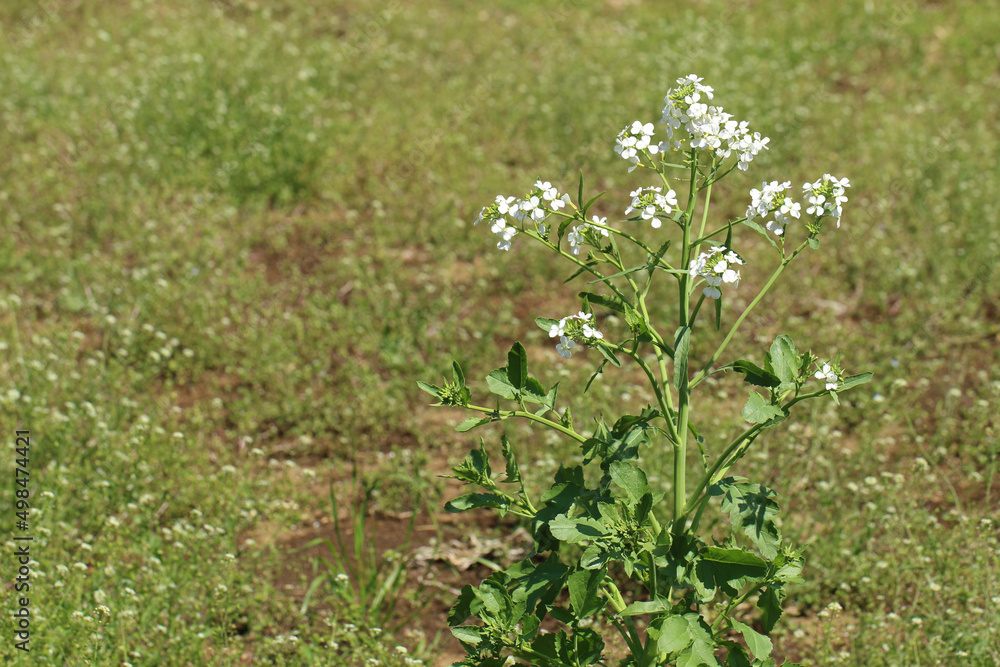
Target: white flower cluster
<point>652,202</point>
<point>830,375</point>
<point>587,233</point>
<point>636,138</point>
<point>573,326</point>
<point>708,127</point>
<point>769,199</point>
<point>826,196</point>
<point>535,206</point>
<point>716,266</point>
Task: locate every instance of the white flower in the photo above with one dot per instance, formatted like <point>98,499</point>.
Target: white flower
<point>708,127</point>
<point>564,347</point>
<point>826,197</point>
<point>716,267</point>
<point>771,199</point>
<point>830,375</point>
<point>587,233</point>
<point>652,202</point>
<point>633,139</point>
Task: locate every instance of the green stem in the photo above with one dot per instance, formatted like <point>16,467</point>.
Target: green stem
<point>504,414</point>
<point>729,336</point>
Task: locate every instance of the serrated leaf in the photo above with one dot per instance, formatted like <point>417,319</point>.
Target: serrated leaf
<point>513,471</point>
<point>736,655</point>
<point>632,480</point>
<point>674,635</point>
<point>682,342</point>
<point>468,634</point>
<point>759,644</point>
<point>759,411</point>
<point>584,592</point>
<point>500,385</point>
<point>533,391</point>
<point>517,366</point>
<point>783,360</point>
<point>467,605</point>
<point>755,375</point>
<point>576,530</point>
<point>855,380</point>
<point>770,604</point>
<point>753,509</point>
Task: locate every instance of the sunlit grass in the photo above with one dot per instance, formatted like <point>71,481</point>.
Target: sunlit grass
<point>250,224</point>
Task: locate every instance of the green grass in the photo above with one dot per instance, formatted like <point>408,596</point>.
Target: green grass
<point>232,233</point>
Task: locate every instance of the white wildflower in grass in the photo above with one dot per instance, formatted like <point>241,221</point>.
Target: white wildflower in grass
<point>587,234</point>
<point>829,374</point>
<point>535,206</point>
<point>771,199</point>
<point>651,202</point>
<point>635,139</point>
<point>717,266</point>
<point>574,328</point>
<point>826,197</point>
<point>707,127</point>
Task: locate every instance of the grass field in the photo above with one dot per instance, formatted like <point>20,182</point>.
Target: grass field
<point>234,234</point>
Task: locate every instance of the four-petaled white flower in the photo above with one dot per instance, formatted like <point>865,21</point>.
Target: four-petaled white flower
<point>771,199</point>
<point>587,233</point>
<point>579,327</point>
<point>716,267</point>
<point>830,375</point>
<point>651,202</point>
<point>826,197</point>
<point>638,137</point>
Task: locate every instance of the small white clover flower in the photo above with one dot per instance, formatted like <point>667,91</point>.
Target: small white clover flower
<point>716,267</point>
<point>652,202</point>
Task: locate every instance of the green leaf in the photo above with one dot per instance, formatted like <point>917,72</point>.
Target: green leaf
<point>813,242</point>
<point>431,389</point>
<point>467,605</point>
<point>513,471</point>
<point>584,592</point>
<point>472,423</point>
<point>586,206</point>
<point>783,361</point>
<point>600,369</point>
<point>610,302</point>
<point>545,323</point>
<point>500,385</point>
<point>674,635</point>
<point>576,530</point>
<point>533,391</point>
<point>760,230</point>
<point>855,380</point>
<point>682,341</point>
<point>758,644</point>
<point>753,509</point>
<point>632,480</point>
<point>475,501</point>
<point>657,606</point>
<point>469,635</point>
<point>736,655</point>
<point>457,374</point>
<point>727,569</point>
<point>517,366</point>
<point>755,375</point>
<point>769,602</point>
<point>608,354</point>
<point>759,411</point>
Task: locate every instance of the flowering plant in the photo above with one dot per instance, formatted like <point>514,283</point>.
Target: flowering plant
<point>601,523</point>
